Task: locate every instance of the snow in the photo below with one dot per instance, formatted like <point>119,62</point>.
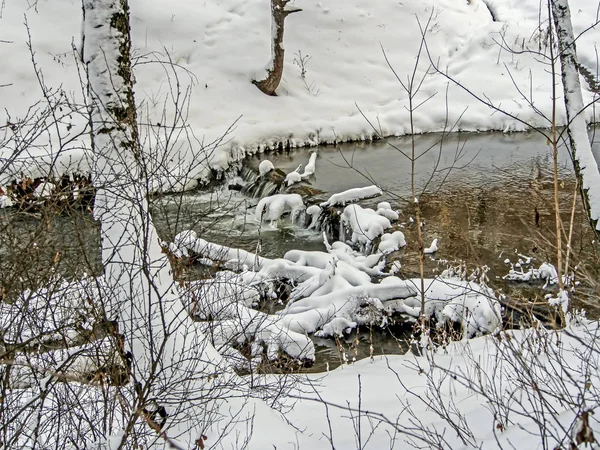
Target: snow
<point>5,201</point>
<point>331,288</point>
<point>311,166</point>
<point>352,195</point>
<point>432,248</point>
<point>224,46</point>
<point>546,272</point>
<point>293,177</point>
<point>273,207</point>
<point>384,209</point>
<point>489,382</point>
<point>313,211</point>
<point>44,190</point>
<point>212,42</point>
<point>390,242</point>
<point>265,167</point>
<point>561,300</point>
<point>364,224</point>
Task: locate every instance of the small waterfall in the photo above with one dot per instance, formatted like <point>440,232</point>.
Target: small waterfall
<point>260,187</point>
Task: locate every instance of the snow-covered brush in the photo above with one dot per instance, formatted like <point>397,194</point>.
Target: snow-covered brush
<point>331,284</point>
<point>293,177</point>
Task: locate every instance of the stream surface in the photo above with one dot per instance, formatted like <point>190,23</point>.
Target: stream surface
<point>487,197</point>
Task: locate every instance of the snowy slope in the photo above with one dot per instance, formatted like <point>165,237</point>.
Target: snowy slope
<point>482,386</point>
<point>220,46</point>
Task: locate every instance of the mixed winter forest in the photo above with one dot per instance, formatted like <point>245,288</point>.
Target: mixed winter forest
<point>299,224</point>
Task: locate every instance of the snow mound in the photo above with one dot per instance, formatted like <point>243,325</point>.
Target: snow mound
<point>365,225</point>
<point>432,248</point>
<point>391,242</point>
<point>384,209</point>
<point>265,167</point>
<point>273,207</point>
<point>352,195</point>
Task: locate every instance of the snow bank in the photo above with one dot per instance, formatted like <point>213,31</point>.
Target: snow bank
<point>498,387</point>
<point>217,58</point>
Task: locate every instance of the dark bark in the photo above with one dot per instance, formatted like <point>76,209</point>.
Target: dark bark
<point>275,71</point>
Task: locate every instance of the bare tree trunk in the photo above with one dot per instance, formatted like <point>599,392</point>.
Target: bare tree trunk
<point>174,370</point>
<point>159,342</point>
<point>586,166</point>
<point>275,69</point>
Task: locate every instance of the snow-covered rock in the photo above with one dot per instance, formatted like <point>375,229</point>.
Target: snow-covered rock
<point>432,248</point>
<point>293,177</point>
<point>313,211</point>
<point>384,209</point>
<point>265,167</point>
<point>273,207</point>
<point>365,225</point>
<point>5,201</point>
<point>391,242</point>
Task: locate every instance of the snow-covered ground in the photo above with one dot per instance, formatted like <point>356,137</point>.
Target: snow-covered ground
<point>523,390</point>
<point>511,389</point>
<point>219,47</point>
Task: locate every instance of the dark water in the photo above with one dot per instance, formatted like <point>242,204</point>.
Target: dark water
<point>479,195</point>
<point>480,201</point>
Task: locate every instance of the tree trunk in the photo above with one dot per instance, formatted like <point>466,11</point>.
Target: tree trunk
<point>174,370</point>
<point>586,166</point>
<point>159,342</point>
<point>275,68</point>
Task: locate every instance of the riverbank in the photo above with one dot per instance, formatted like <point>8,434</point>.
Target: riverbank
<point>218,48</point>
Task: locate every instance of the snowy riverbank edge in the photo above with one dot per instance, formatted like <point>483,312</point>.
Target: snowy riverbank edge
<point>519,386</point>
<point>218,48</point>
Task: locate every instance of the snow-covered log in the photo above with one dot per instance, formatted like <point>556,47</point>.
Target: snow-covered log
<point>352,195</point>
<point>333,288</point>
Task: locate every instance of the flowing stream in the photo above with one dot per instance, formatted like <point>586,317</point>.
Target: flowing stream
<point>487,197</point>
